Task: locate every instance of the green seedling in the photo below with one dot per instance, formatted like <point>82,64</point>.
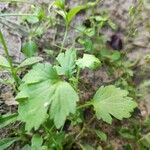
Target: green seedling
<point>50,105</point>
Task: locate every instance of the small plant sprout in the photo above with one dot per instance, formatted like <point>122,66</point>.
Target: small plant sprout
<point>72,96</point>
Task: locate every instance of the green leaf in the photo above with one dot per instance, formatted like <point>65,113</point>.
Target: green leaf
<point>132,10</point>
<point>100,18</point>
<point>6,142</point>
<point>92,4</point>
<point>7,119</point>
<point>88,61</point>
<point>41,72</point>
<point>30,61</point>
<point>105,53</point>
<point>36,99</point>
<point>63,103</point>
<point>67,63</point>
<point>37,15</point>
<point>111,101</point>
<point>112,25</point>
<point>36,142</point>
<point>86,147</point>
<point>58,137</point>
<point>32,19</point>
<point>115,56</point>
<point>88,45</point>
<point>26,147</point>
<point>44,147</point>
<point>72,13</point>
<point>38,31</point>
<point>4,62</point>
<point>101,135</point>
<point>147,121</point>
<point>145,141</point>
<point>90,32</point>
<point>60,4</point>
<point>99,148</point>
<point>147,58</point>
<point>29,49</point>
<point>36,93</point>
<point>127,133</point>
<point>41,92</point>
<point>62,13</point>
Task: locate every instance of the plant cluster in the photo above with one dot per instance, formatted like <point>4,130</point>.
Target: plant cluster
<point>50,109</point>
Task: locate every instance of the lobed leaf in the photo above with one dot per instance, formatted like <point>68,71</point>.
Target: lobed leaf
<point>111,101</point>
<point>26,147</point>
<point>29,49</point>
<point>42,90</point>
<point>41,72</point>
<point>34,105</point>
<point>88,61</point>
<point>101,135</point>
<point>67,63</point>
<point>36,142</point>
<point>30,61</point>
<point>63,102</point>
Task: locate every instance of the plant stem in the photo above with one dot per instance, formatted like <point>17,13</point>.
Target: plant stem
<point>84,105</point>
<point>84,128</point>
<point>13,71</point>
<point>48,130</point>
<point>78,74</point>
<point>64,39</point>
<point>77,77</point>
<point>55,45</point>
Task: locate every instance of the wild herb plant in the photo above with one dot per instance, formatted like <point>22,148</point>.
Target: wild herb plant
<point>48,95</point>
